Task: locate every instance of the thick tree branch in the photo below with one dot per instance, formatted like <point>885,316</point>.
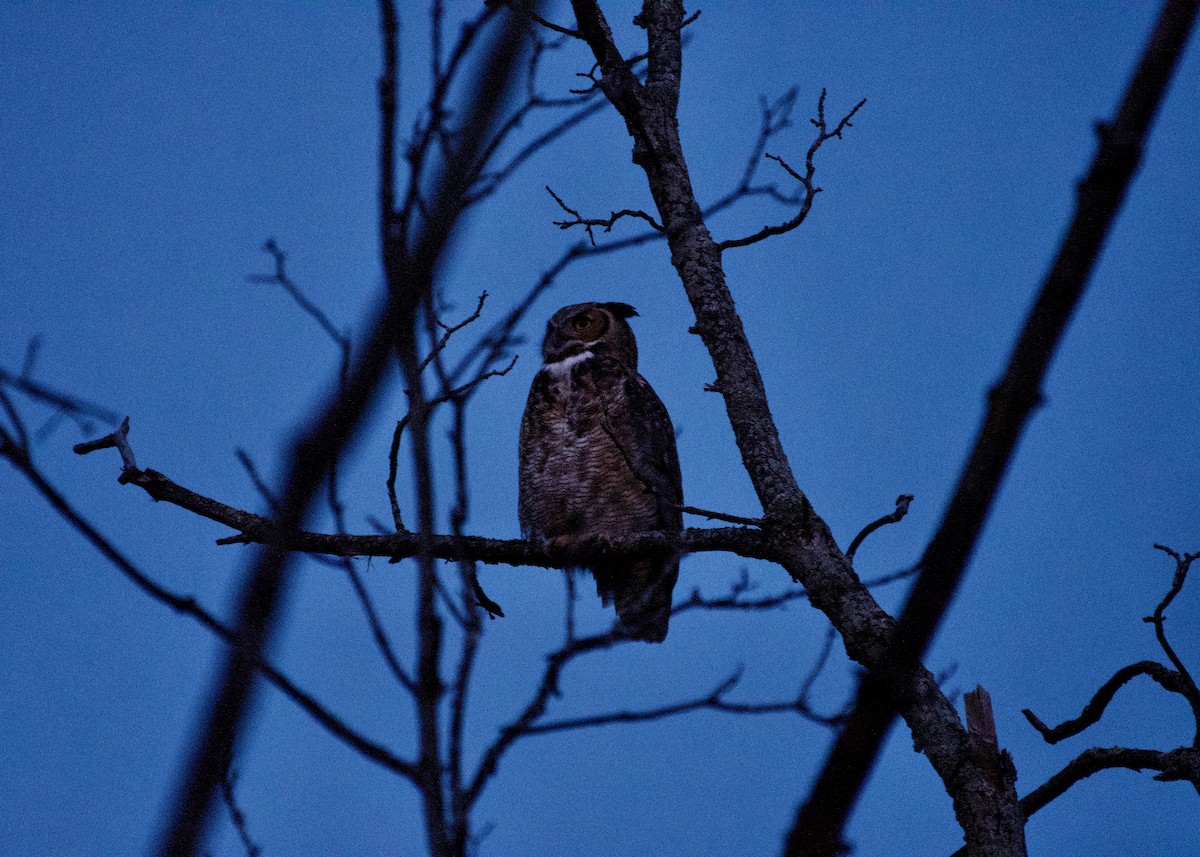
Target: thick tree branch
<point>258,529</point>
<point>1010,404</point>
<point>803,541</point>
<point>318,443</point>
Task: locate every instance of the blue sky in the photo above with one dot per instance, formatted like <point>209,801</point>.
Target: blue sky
<point>151,148</point>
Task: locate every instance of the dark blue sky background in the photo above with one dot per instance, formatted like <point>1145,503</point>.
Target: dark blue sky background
<point>148,151</point>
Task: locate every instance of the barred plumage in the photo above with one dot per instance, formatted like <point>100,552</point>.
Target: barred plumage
<point>598,458</point>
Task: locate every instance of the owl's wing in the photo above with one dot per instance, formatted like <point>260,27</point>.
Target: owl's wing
<point>537,413</point>
<point>637,422</point>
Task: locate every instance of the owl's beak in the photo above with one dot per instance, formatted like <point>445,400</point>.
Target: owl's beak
<point>555,349</point>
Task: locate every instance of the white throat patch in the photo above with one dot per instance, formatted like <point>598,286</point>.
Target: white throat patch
<point>563,367</point>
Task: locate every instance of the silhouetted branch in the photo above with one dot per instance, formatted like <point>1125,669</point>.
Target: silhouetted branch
<point>1010,403</point>
<point>409,270</point>
<point>722,516</point>
<point>402,423</point>
<point>280,278</point>
<point>1189,689</point>
<point>1094,710</point>
<point>605,223</point>
<point>1178,680</point>
<point>902,504</point>
<point>256,479</point>
<point>520,7</point>
<point>71,405</point>
<point>805,178</point>
<point>188,606</point>
<point>228,781</point>
<point>1172,765</point>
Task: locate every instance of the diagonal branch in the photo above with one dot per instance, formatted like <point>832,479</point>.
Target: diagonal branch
<point>1180,764</point>
<point>604,223</point>
<point>258,529</point>
<point>902,504</point>
<point>1010,403</point>
<point>319,441</point>
<point>189,607</point>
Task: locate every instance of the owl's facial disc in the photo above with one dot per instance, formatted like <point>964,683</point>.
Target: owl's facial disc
<point>574,334</point>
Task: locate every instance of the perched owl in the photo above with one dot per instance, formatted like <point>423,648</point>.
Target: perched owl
<point>598,458</point>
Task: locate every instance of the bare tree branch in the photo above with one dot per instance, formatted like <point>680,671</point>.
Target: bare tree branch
<point>331,428</point>
<point>902,504</point>
<point>1189,689</point>
<point>1180,764</point>
<point>605,223</point>
<point>68,404</point>
<point>236,815</point>
<point>254,528</point>
<point>1010,403</point>
<point>808,550</point>
<point>188,606</point>
<point>520,7</point>
<point>805,178</point>
<point>280,278</point>
<point>1094,710</point>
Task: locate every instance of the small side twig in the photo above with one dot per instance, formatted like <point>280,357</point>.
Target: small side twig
<point>256,479</point>
<point>805,179</point>
<point>606,223</point>
<point>902,504</point>
<point>722,516</point>
<point>1183,562</point>
<point>522,9</point>
<point>280,277</point>
<point>236,815</point>
<point>119,439</point>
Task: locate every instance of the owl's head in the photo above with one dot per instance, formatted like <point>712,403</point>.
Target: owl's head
<point>600,328</point>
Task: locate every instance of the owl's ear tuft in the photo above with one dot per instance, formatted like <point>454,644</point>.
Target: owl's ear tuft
<point>620,310</point>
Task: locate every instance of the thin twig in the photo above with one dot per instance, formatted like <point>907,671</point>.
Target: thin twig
<point>902,504</point>
<point>62,401</point>
<point>188,606</point>
<point>522,9</point>
<point>805,179</point>
<point>1094,710</point>
<point>722,516</point>
<point>236,815</point>
<point>605,223</point>
<point>256,480</point>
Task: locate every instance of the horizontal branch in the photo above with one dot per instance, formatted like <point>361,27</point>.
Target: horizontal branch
<point>741,541</point>
<point>258,529</point>
<point>1172,765</point>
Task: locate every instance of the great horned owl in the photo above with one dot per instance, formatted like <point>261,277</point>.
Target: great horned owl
<point>598,458</point>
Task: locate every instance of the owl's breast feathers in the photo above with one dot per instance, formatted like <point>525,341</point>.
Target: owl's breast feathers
<point>598,458</point>
<point>597,452</point>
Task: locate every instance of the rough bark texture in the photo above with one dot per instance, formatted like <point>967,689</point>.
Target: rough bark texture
<point>800,539</point>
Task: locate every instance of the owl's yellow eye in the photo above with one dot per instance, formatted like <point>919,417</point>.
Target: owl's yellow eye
<point>581,322</point>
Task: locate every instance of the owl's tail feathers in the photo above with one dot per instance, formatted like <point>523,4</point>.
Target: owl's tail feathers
<point>641,592</point>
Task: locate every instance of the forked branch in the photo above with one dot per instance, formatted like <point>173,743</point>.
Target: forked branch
<point>804,178</point>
